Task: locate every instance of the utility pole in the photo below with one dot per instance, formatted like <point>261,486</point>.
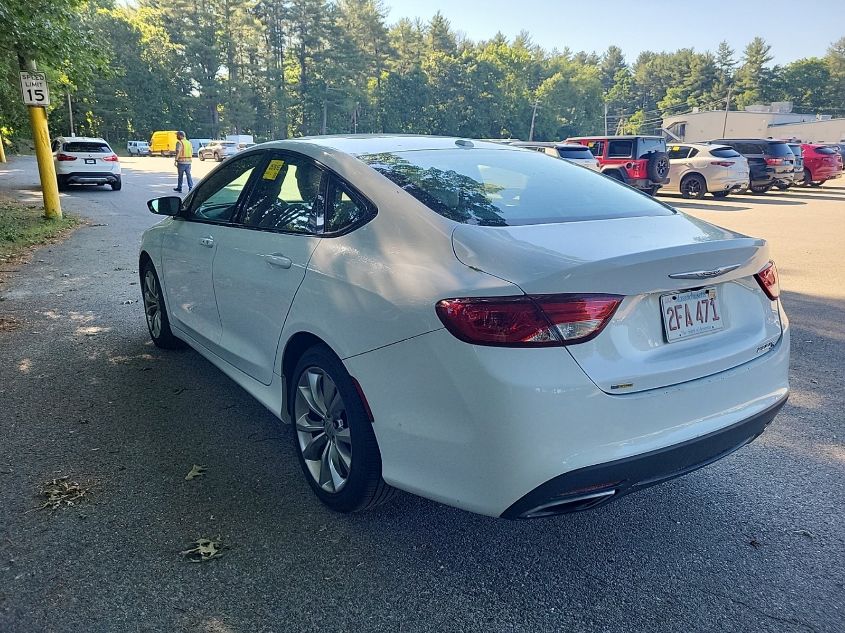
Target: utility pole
<point>605,116</point>
<point>36,97</point>
<point>727,107</point>
<point>533,117</point>
<point>70,114</point>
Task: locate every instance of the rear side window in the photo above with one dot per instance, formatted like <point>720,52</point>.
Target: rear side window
<point>582,153</point>
<point>620,149</point>
<point>509,188</point>
<point>596,148</point>
<point>345,208</point>
<point>828,151</point>
<point>87,146</point>
<point>648,145</point>
<point>725,152</point>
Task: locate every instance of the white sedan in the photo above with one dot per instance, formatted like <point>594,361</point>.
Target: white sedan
<point>468,321</point>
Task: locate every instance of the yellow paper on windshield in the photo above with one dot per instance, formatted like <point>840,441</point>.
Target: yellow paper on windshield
<point>273,169</point>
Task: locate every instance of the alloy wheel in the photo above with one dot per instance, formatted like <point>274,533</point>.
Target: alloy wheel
<point>322,429</point>
<point>152,303</point>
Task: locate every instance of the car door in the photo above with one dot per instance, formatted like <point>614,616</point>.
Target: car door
<point>258,271</point>
<point>678,164</point>
<point>190,247</point>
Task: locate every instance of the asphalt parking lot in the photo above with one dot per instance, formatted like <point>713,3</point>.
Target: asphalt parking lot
<point>755,542</point>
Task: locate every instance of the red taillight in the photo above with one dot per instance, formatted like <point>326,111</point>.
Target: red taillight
<point>768,280</point>
<point>112,159</point>
<point>774,161</point>
<point>65,157</point>
<point>721,163</point>
<point>527,321</point>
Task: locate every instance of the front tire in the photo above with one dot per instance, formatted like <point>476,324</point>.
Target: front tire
<point>721,194</point>
<point>217,157</point>
<point>693,186</point>
<point>333,435</point>
<point>201,156</point>
<point>155,310</point>
<point>783,187</point>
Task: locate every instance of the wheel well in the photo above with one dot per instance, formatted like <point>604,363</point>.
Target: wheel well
<point>615,173</point>
<point>296,346</point>
<point>691,174</point>
<point>143,260</point>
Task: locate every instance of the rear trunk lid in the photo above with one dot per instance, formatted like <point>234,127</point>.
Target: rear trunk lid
<point>634,257</point>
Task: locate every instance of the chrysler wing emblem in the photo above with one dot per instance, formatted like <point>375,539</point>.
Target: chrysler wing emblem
<point>705,274</point>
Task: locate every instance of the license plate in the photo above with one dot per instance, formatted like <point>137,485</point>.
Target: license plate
<point>690,313</point>
<point>90,161</point>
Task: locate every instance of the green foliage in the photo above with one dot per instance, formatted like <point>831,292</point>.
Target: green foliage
<point>279,68</point>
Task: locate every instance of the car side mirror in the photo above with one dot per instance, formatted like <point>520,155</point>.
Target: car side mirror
<point>166,205</point>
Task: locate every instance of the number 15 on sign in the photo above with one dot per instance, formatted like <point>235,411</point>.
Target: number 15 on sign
<point>34,89</point>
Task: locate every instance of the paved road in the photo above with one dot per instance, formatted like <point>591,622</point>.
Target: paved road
<point>755,542</point>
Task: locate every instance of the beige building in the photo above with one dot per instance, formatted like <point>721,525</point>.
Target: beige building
<point>775,121</point>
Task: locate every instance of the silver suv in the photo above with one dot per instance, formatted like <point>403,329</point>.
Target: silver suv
<point>218,150</point>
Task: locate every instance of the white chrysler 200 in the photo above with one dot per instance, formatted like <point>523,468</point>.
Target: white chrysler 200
<point>475,323</point>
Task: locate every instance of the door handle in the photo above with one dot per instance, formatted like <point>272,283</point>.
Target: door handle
<point>207,241</point>
<point>279,261</point>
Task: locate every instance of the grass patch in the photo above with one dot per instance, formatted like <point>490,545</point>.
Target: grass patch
<point>24,226</point>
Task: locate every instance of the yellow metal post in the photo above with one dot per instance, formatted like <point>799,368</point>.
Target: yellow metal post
<point>2,150</point>
<point>46,169</point>
<point>49,186</point>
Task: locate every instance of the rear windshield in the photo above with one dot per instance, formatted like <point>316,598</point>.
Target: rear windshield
<point>509,188</point>
<point>824,150</point>
<point>647,145</point>
<point>725,152</point>
<point>582,153</point>
<point>779,149</point>
<point>87,146</point>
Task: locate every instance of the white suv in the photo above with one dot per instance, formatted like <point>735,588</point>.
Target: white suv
<point>82,160</point>
<point>218,150</point>
<point>138,148</point>
<point>698,168</point>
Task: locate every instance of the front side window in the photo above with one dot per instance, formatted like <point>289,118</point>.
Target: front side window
<point>287,196</point>
<point>217,197</point>
<point>502,187</point>
<point>677,152</point>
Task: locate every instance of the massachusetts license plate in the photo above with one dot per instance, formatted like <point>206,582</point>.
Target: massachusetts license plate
<point>90,161</point>
<point>691,313</point>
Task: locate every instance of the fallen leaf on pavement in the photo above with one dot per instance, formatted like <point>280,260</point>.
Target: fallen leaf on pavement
<point>204,549</point>
<point>196,471</point>
<point>61,491</point>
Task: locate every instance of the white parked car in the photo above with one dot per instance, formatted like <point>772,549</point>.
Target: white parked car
<point>573,152</point>
<point>468,321</point>
<point>218,150</point>
<point>80,160</point>
<point>138,148</point>
<point>696,169</point>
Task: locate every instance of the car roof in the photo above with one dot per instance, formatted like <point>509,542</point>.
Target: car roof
<point>358,144</point>
<point>614,137</point>
<point>707,146</point>
<point>745,140</point>
<point>84,139</point>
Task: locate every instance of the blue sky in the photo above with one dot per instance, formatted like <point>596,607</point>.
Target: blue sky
<point>795,29</point>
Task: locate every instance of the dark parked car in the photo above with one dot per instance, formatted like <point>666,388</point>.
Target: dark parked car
<point>771,162</point>
<point>638,161</point>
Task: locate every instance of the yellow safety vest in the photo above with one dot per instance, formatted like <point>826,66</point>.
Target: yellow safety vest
<point>186,151</point>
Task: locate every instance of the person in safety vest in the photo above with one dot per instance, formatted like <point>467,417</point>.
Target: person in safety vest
<point>183,161</point>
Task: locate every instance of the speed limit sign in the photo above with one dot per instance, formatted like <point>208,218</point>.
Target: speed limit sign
<point>34,89</point>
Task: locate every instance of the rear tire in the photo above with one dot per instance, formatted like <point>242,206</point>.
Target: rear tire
<point>760,189</point>
<point>334,440</point>
<point>693,186</point>
<point>61,182</point>
<point>155,310</point>
<point>115,186</point>
<point>818,184</point>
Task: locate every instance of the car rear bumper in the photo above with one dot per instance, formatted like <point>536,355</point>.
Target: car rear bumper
<point>727,183</point>
<point>592,486</point>
<point>482,428</point>
<point>90,178</point>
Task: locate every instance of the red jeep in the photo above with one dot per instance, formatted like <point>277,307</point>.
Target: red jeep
<point>821,163</point>
<point>638,161</point>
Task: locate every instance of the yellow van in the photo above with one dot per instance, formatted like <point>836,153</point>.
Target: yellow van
<point>163,143</point>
